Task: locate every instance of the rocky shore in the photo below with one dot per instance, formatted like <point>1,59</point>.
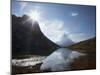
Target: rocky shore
<point>26,69</point>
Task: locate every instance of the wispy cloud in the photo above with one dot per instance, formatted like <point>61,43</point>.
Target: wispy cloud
<point>74,14</point>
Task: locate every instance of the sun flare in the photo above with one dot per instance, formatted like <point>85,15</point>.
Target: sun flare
<point>35,15</point>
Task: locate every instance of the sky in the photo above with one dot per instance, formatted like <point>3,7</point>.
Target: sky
<point>77,22</point>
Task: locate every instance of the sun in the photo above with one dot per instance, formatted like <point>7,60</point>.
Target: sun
<point>35,15</point>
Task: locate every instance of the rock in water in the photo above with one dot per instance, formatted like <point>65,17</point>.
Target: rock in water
<point>27,38</point>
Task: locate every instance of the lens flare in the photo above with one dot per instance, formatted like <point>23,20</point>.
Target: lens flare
<point>34,15</point>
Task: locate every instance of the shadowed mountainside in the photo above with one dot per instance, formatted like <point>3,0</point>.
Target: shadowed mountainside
<point>27,38</point>
<point>89,48</point>
<point>86,46</point>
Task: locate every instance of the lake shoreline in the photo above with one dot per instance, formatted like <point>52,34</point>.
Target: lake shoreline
<point>36,69</point>
<point>26,69</point>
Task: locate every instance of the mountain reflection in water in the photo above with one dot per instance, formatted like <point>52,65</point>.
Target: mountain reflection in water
<point>60,60</point>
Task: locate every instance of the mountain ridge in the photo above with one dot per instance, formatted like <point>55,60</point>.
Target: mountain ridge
<point>27,38</point>
<point>89,48</point>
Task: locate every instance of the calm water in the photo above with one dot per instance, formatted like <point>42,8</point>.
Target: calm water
<point>59,60</point>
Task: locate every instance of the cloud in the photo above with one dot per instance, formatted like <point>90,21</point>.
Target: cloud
<point>77,37</point>
<point>53,29</point>
<point>74,14</point>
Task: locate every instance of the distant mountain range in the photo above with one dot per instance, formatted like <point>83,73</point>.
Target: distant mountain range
<point>27,38</point>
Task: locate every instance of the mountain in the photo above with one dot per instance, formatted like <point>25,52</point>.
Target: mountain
<point>27,38</point>
<point>89,48</point>
<point>65,41</point>
<point>86,46</point>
